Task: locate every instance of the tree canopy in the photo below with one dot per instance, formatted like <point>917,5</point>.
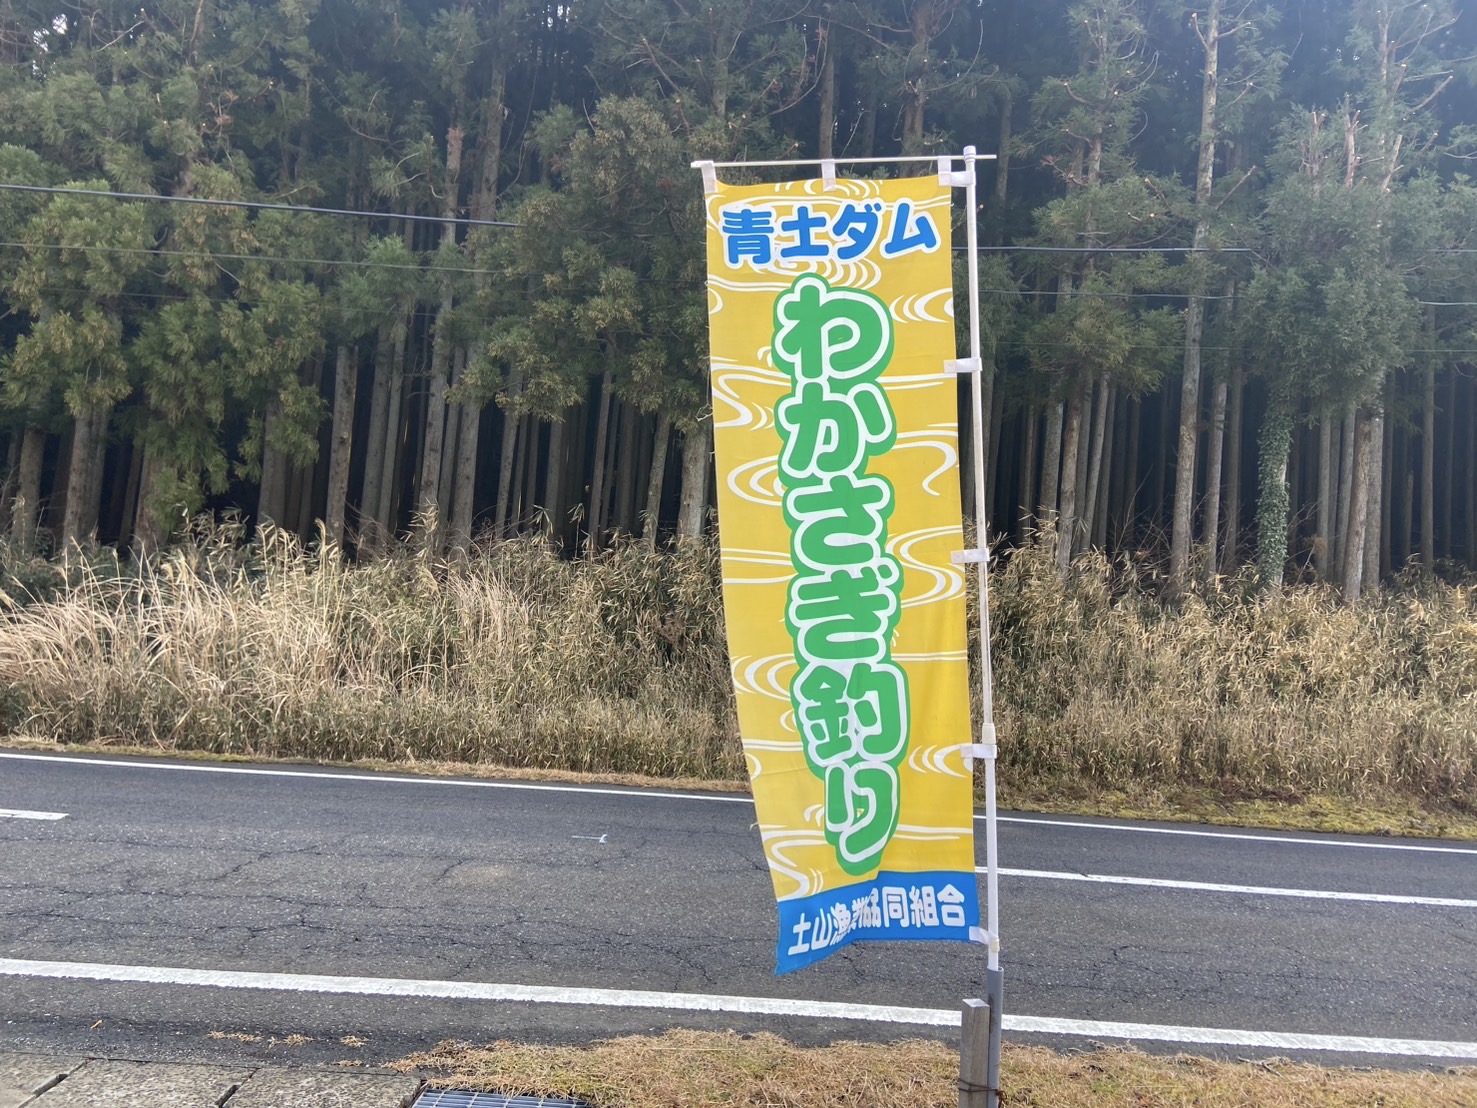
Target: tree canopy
<point>1230,291</point>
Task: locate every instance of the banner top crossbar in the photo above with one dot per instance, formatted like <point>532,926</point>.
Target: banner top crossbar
<point>847,161</point>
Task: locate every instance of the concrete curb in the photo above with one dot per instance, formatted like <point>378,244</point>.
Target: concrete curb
<point>39,1081</point>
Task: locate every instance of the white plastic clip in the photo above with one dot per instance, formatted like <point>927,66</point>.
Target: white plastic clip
<point>828,173</point>
<point>977,750</point>
<point>710,177</point>
<point>969,557</point>
<point>985,749</point>
<point>949,177</point>
<point>963,365</point>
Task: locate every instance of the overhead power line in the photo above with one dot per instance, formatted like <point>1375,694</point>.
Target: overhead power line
<point>211,256</point>
<point>257,205</point>
<point>1156,250</point>
<point>1088,294</point>
<point>1075,293</point>
<point>352,263</point>
<point>1110,249</point>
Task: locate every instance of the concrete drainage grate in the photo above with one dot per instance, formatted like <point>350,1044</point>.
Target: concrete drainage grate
<point>457,1098</point>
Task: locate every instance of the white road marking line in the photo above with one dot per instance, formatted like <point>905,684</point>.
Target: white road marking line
<point>472,990</point>
<point>744,1005</point>
<point>17,813</point>
<point>1252,838</point>
<point>1226,1036</point>
<point>380,778</point>
<point>1251,890</point>
<point>725,798</point>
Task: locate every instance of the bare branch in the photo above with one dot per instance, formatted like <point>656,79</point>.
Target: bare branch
<point>1428,101</point>
<point>1247,176</point>
<point>1195,26</point>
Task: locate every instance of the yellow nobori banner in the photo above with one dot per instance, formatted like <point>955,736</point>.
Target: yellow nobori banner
<point>831,308</point>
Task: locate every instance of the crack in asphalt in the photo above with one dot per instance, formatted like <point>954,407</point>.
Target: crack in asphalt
<point>504,894</point>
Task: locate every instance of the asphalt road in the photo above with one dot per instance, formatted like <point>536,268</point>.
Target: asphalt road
<point>379,879</point>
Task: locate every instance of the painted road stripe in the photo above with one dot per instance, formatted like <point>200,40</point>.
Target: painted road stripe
<point>725,798</point>
<point>1226,1036</point>
<point>16,813</point>
<point>375,778</point>
<point>742,1005</point>
<point>1358,844</point>
<point>1250,890</point>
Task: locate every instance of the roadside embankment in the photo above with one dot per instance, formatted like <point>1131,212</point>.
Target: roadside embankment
<point>1289,708</point>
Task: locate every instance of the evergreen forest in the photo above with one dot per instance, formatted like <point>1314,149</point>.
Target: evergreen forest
<point>1229,264</point>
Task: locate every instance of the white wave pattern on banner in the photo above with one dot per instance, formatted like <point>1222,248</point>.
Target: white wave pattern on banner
<point>922,309</point>
<point>746,413</point>
<point>779,840</point>
<point>939,656</point>
<point>948,760</point>
<point>913,381</point>
<point>715,300</point>
<point>769,558</point>
<point>846,188</point>
<point>931,834</point>
<point>940,437</point>
<point>761,676</point>
<point>753,748</point>
<point>863,273</point>
<point>758,482</point>
<point>789,746</point>
<point>787,722</point>
<point>947,580</point>
<point>715,281</point>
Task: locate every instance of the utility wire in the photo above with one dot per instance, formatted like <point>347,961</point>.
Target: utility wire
<point>1022,344</point>
<point>382,312</point>
<point>257,204</point>
<point>1105,295</point>
<point>1153,250</point>
<point>204,256</point>
<point>361,264</point>
<point>468,221</point>
<point>1109,249</point>
<point>1171,296</point>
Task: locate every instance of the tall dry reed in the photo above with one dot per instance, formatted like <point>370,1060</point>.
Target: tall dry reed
<point>1288,692</point>
<point>517,657</point>
<point>616,663</point>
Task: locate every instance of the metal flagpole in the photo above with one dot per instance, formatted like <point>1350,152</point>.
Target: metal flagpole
<point>986,748</point>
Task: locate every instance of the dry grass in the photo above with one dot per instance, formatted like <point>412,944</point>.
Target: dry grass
<point>693,1069</point>
<point>1232,706</point>
<point>518,658</point>
<point>1257,697</point>
<point>1377,813</point>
